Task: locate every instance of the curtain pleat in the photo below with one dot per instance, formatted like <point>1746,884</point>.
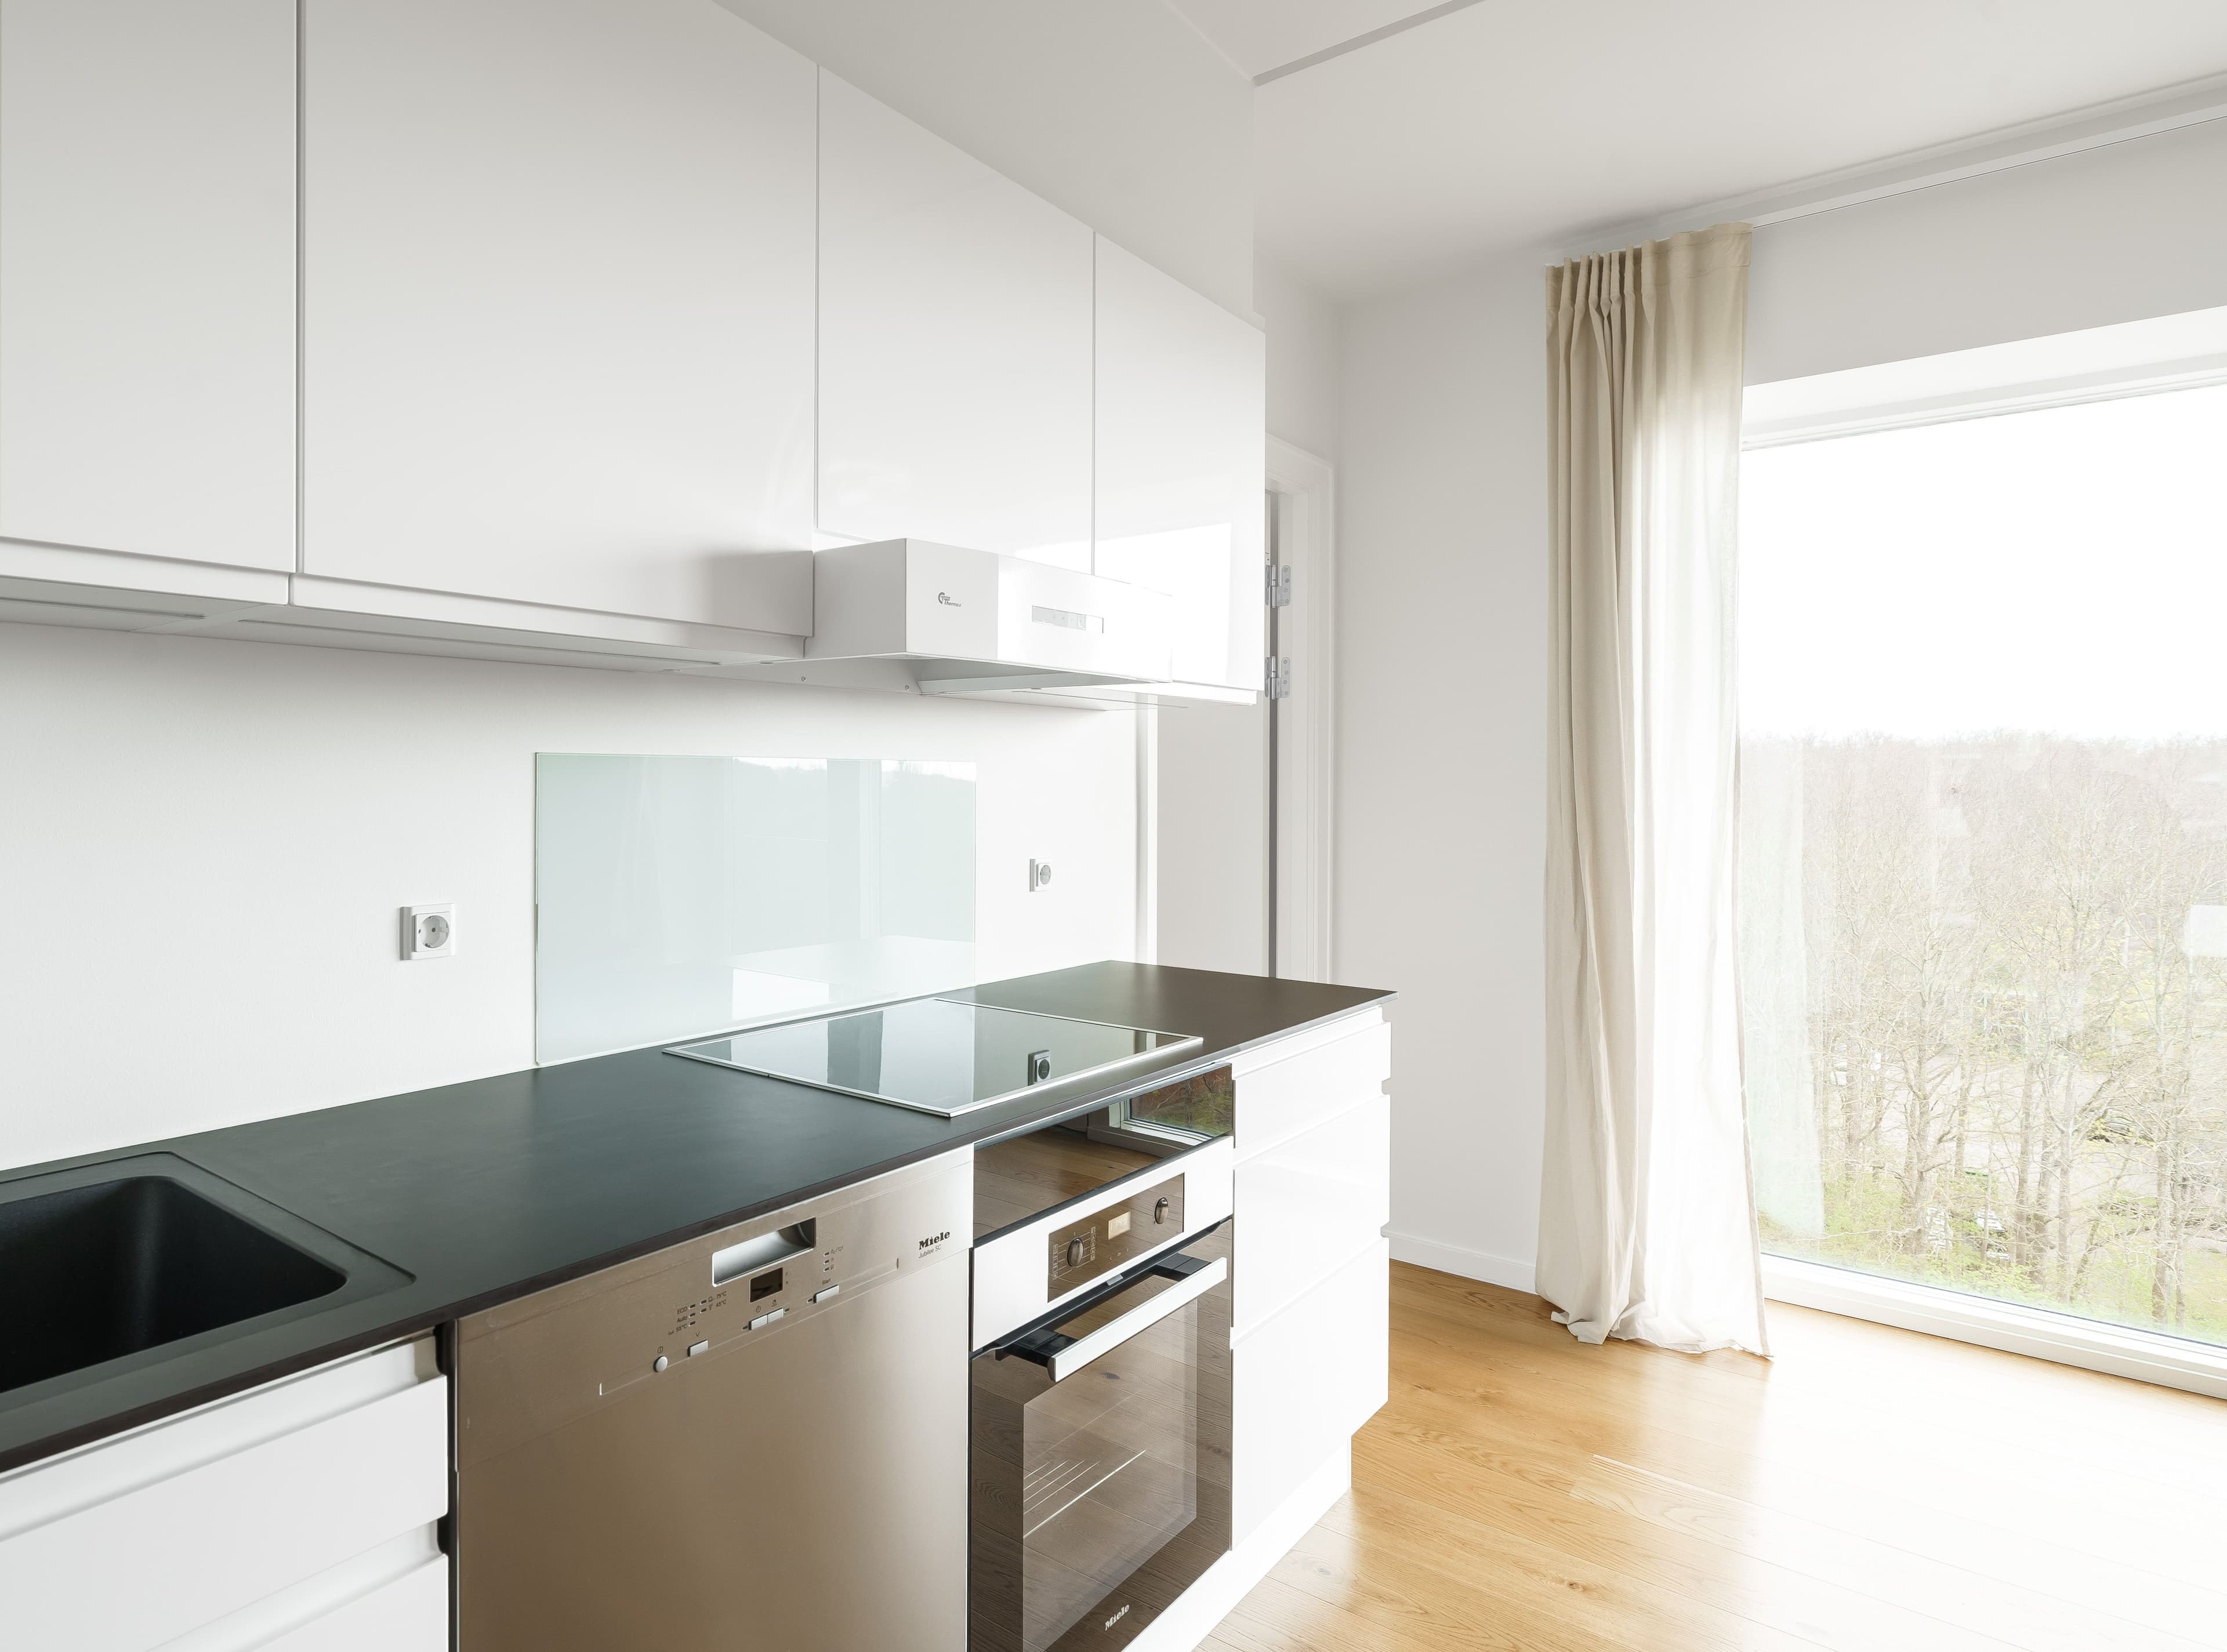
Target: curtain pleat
<point>1647,1222</point>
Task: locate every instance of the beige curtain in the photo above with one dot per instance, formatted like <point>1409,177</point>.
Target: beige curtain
<point>1647,1223</point>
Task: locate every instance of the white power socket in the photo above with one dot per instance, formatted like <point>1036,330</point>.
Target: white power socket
<point>429,932</point>
<point>1039,875</point>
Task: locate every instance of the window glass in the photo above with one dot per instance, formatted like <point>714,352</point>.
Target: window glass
<point>1983,696</point>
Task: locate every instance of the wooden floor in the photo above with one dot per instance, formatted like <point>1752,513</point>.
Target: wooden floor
<point>1869,1489</point>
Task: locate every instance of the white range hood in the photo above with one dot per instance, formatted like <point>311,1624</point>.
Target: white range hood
<point>945,620</point>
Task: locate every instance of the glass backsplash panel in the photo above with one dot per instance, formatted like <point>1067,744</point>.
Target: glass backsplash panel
<point>681,896</point>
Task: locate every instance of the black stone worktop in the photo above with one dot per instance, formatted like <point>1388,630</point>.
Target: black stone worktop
<point>485,1191</point>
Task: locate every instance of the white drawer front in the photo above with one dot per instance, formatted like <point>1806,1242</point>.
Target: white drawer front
<point>1305,1382</point>
<point>392,1599</point>
<point>1307,1205</point>
<point>1286,1095</point>
<point>411,1614</point>
<point>240,1523</point>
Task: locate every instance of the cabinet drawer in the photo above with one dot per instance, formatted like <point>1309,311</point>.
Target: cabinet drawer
<point>222,1508</point>
<point>1307,1205</point>
<point>1305,1382</point>
<point>1286,1095</point>
<point>409,1614</point>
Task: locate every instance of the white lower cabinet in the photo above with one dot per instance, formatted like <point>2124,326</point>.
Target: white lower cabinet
<point>1302,1383</point>
<point>1312,1193</point>
<point>299,1516</point>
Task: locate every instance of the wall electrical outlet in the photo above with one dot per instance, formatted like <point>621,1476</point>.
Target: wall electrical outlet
<point>1039,875</point>
<point>429,932</point>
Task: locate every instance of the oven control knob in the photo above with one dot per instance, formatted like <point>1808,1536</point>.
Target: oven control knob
<point>1075,1252</point>
<point>1160,1211</point>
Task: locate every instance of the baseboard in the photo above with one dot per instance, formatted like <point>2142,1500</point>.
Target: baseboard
<point>2170,1361</point>
<point>1514,1274</point>
<point>1206,1602</point>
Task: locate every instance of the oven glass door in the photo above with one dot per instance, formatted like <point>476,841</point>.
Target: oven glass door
<point>1101,1458</point>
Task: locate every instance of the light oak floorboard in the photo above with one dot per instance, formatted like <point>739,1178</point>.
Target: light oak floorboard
<point>1869,1490</point>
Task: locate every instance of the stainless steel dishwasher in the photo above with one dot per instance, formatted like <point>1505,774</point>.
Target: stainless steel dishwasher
<point>757,1439</point>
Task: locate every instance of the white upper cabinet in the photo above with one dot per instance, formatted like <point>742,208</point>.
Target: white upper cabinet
<point>147,278</point>
<point>558,303</point>
<point>955,345</point>
<point>1182,443</point>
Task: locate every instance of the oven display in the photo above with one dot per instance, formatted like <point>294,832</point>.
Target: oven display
<point>765,1284</point>
<point>1111,1235</point>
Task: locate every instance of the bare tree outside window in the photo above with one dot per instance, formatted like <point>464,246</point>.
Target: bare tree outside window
<point>1984,854</point>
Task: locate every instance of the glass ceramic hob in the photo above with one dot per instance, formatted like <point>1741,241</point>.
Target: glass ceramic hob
<point>941,1055</point>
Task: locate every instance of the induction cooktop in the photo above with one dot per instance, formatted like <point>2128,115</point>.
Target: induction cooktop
<point>941,1055</point>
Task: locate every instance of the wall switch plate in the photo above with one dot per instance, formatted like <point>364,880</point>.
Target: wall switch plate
<point>429,931</point>
<point>1039,875</point>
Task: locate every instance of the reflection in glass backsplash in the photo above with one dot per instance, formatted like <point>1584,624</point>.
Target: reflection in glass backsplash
<point>677,896</point>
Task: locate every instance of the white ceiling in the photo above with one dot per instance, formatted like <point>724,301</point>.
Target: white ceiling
<point>1260,35</point>
<point>1511,124</point>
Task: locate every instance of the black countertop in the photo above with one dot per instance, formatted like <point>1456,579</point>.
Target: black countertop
<point>486,1191</point>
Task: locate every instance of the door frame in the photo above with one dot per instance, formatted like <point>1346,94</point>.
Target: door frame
<point>1303,486</point>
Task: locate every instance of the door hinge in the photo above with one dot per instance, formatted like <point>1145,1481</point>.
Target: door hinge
<point>1280,586</point>
<point>1276,679</point>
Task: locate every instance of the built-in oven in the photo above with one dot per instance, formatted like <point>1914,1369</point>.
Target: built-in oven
<point>1100,1389</point>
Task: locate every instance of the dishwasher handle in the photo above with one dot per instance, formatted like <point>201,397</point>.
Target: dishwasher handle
<point>767,1250</point>
<point>1063,1355</point>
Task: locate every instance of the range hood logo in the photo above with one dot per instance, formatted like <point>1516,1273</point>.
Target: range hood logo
<point>946,599</point>
<point>934,1240</point>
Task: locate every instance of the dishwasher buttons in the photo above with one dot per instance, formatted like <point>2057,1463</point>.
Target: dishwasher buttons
<point>694,1348</point>
<point>823,1296</point>
<point>765,1319</point>
<point>660,1363</point>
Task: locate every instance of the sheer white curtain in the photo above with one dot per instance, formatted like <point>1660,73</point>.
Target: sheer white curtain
<point>1647,1224</point>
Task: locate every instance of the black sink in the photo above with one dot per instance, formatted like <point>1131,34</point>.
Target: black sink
<point>111,1262</point>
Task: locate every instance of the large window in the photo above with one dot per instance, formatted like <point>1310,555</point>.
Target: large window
<point>1983,693</point>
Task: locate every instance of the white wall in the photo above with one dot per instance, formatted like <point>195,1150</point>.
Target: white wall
<point>1304,345</point>
<point>1443,599</point>
<point>1441,742</point>
<point>2114,235</point>
<point>1117,111</point>
<point>206,843</point>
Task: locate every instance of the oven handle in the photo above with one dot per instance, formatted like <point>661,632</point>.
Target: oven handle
<point>1063,1356</point>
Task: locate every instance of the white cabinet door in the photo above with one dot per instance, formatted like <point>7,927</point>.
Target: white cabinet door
<point>955,345</point>
<point>1182,443</point>
<point>558,302</point>
<point>147,278</point>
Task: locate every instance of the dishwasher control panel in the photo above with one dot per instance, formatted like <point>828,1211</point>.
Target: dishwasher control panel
<point>662,1320</point>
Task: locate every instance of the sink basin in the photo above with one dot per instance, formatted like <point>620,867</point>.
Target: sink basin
<point>111,1262</point>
